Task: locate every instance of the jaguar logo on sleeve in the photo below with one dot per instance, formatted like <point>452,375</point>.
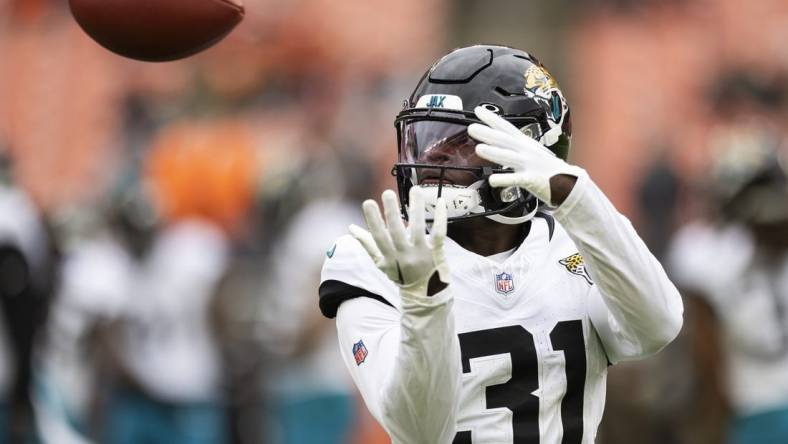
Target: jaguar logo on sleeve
<point>575,265</point>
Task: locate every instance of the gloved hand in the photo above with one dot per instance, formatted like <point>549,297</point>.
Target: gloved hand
<point>407,255</point>
<point>533,164</point>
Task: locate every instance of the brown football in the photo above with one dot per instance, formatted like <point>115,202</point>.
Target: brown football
<point>157,30</point>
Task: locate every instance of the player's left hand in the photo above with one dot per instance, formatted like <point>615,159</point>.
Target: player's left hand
<point>406,255</point>
<point>534,165</point>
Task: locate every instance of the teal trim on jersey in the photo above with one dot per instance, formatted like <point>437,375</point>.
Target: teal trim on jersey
<point>761,428</point>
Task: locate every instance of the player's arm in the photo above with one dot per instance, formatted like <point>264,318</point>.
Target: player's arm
<point>634,307</point>
<point>410,376</point>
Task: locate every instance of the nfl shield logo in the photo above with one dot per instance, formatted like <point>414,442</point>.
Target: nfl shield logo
<point>359,352</point>
<point>504,283</point>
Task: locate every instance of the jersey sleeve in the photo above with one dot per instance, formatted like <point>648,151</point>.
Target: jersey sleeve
<point>406,365</point>
<point>634,307</point>
<point>348,272</point>
<point>401,349</point>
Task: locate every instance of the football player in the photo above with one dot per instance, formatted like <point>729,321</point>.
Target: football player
<point>734,274</point>
<point>497,326</point>
<point>27,264</point>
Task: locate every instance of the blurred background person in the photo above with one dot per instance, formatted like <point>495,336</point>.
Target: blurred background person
<point>733,266</point>
<point>27,263</point>
<point>97,273</point>
<point>169,386</point>
<point>735,272</point>
<point>307,382</point>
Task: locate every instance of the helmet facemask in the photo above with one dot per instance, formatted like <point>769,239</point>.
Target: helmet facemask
<point>423,139</point>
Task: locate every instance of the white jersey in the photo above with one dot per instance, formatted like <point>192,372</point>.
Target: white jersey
<point>168,345</point>
<point>96,278</point>
<point>749,295</point>
<point>513,351</point>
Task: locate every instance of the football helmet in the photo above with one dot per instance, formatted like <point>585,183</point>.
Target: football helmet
<point>433,141</point>
<point>749,176</point>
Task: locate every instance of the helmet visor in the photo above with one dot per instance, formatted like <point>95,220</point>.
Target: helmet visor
<point>423,140</point>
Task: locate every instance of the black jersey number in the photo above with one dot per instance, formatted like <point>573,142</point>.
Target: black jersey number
<point>515,394</point>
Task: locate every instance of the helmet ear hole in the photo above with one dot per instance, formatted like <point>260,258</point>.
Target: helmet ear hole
<point>491,107</point>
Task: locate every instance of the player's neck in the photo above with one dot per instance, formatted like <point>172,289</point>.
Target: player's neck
<point>486,237</point>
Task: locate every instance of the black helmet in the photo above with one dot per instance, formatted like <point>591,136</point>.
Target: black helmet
<point>507,81</point>
<point>750,177</point>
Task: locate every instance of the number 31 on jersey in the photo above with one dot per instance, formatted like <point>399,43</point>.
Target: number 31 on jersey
<point>515,392</point>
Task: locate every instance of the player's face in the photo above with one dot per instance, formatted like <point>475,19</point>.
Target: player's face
<point>441,144</point>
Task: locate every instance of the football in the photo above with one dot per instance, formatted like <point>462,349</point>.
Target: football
<point>157,30</point>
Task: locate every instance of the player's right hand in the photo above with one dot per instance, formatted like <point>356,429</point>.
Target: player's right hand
<point>534,165</point>
<point>408,256</point>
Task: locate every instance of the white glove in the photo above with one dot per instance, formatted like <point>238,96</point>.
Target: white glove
<point>533,164</point>
<point>408,256</point>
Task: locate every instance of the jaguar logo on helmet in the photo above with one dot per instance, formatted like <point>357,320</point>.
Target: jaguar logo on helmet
<point>539,81</point>
<point>543,88</point>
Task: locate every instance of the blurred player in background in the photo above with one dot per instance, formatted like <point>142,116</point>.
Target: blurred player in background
<point>171,385</point>
<point>499,327</point>
<point>26,279</point>
<point>308,383</point>
<point>132,315</point>
<point>733,268</point>
<point>96,280</point>
<point>165,347</point>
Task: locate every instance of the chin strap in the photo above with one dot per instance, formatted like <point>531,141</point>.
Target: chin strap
<point>552,135</point>
<point>501,219</point>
